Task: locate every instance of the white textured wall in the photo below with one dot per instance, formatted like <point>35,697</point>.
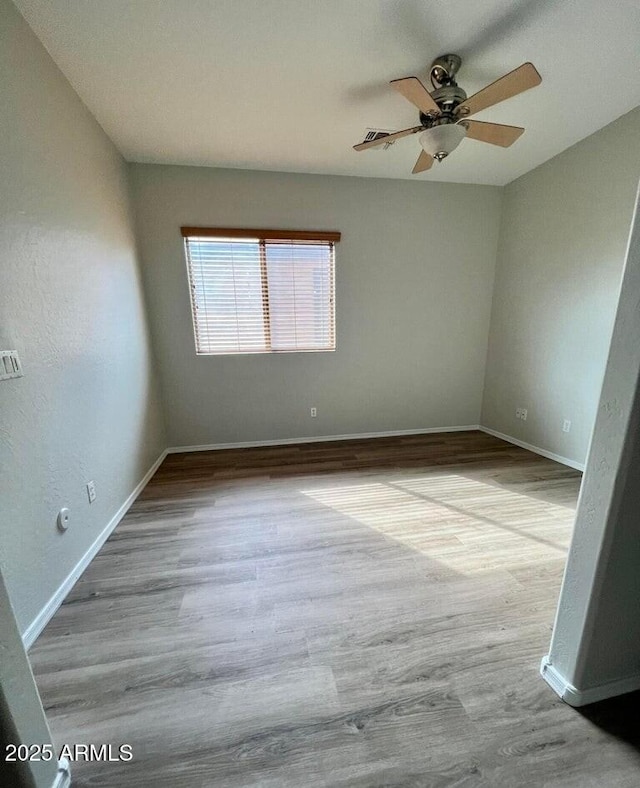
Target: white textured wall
<point>414,274</point>
<point>561,251</point>
<point>71,304</point>
<point>596,638</point>
<point>22,719</point>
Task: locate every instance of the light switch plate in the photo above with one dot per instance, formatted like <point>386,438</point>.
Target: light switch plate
<point>10,366</point>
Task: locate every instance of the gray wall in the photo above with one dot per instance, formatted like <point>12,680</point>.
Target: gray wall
<point>596,637</point>
<point>414,276</point>
<point>71,304</point>
<point>562,242</point>
<point>22,719</point>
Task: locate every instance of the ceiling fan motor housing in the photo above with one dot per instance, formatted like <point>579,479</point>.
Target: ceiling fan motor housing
<point>448,99</point>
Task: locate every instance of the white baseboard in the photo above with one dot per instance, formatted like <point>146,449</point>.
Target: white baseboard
<point>579,466</point>
<point>44,616</point>
<point>318,439</point>
<point>388,434</point>
<point>63,778</point>
<point>583,697</point>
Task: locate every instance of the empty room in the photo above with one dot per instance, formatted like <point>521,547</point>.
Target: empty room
<point>319,405</point>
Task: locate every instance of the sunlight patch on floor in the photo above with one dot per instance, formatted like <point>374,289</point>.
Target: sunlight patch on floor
<point>463,523</point>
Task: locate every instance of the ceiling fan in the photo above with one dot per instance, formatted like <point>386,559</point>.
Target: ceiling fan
<point>445,111</point>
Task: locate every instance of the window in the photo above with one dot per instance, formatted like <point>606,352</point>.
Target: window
<point>261,291</point>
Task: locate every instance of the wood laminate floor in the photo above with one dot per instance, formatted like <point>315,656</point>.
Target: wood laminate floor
<point>353,614</point>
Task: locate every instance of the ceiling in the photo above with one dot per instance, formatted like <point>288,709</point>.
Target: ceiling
<point>291,85</point>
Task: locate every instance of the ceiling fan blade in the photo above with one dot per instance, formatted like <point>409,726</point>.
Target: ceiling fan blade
<point>494,133</point>
<point>413,90</point>
<point>424,163</point>
<point>388,138</point>
<point>516,81</point>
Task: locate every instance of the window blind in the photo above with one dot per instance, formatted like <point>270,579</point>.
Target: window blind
<point>261,294</point>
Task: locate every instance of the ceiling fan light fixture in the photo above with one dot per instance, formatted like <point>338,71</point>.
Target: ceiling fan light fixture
<point>439,141</point>
<point>445,111</point>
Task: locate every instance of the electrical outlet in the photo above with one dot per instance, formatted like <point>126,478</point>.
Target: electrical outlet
<point>523,414</point>
<point>314,412</point>
<point>518,413</point>
<point>91,491</point>
<point>566,426</point>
